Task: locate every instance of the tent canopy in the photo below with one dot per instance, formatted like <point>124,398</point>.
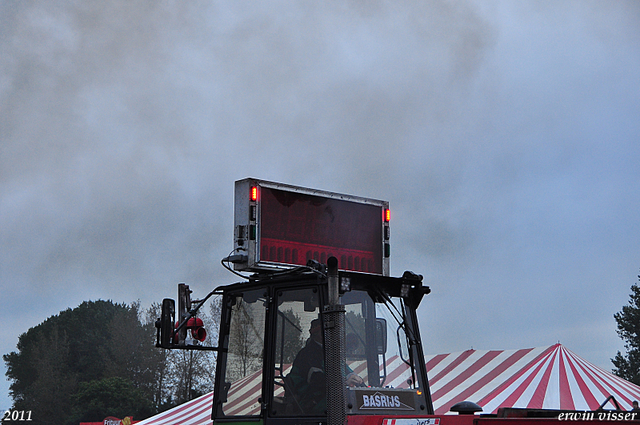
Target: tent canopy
<point>539,378</point>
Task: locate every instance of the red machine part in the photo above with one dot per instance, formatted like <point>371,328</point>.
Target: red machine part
<point>196,326</point>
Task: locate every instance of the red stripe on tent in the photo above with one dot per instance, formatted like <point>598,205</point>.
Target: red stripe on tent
<point>501,388</point>
<point>188,419</point>
<point>631,388</point>
<point>596,381</point>
<point>514,396</point>
<point>537,400</point>
<point>184,409</point>
<point>250,396</point>
<point>584,388</point>
<point>618,384</point>
<point>185,406</point>
<point>360,368</point>
<point>240,390</point>
<point>394,373</point>
<point>243,403</point>
<point>434,361</point>
<point>463,376</point>
<point>493,394</point>
<point>618,388</point>
<point>566,400</point>
<point>475,387</point>
<point>462,357</point>
<point>185,417</point>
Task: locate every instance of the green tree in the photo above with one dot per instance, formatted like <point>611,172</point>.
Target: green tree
<point>114,396</point>
<point>132,353</point>
<point>54,382</point>
<point>105,350</point>
<point>627,365</point>
<point>96,340</point>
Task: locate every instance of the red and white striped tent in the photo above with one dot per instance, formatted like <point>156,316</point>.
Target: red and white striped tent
<point>539,378</point>
<point>549,377</point>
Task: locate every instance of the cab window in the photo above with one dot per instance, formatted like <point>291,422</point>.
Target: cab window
<point>242,376</point>
<point>298,387</point>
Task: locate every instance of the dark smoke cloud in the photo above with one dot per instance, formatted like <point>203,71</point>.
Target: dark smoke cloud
<point>504,135</point>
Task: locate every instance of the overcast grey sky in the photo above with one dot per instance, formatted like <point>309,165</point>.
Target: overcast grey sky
<point>505,134</point>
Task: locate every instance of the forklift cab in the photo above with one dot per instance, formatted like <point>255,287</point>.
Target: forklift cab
<point>271,360</point>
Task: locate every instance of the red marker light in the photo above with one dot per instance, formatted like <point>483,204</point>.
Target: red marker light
<point>254,193</point>
<point>387,215</point>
